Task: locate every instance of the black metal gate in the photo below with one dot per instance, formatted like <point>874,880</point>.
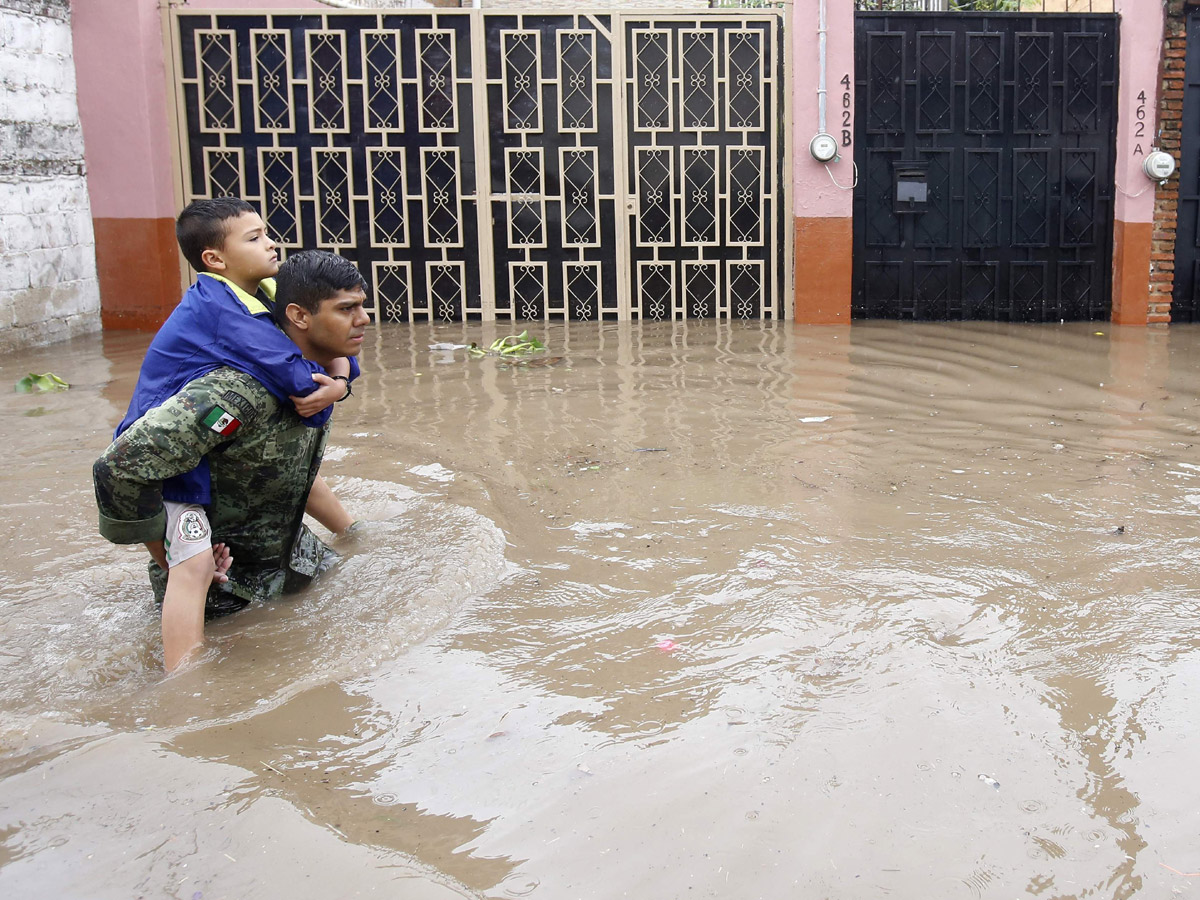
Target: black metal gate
<point>1185,306</point>
<point>985,148</point>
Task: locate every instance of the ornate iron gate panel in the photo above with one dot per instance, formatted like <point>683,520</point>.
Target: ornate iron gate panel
<point>551,99</point>
<point>500,165</point>
<point>705,119</point>
<point>1185,302</point>
<point>985,149</point>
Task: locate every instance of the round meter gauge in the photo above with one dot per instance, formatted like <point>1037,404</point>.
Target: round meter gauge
<point>823,147</point>
<point>1159,166</point>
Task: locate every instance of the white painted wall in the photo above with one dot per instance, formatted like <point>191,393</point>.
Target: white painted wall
<point>48,285</point>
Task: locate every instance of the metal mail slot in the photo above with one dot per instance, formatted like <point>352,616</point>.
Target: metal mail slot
<point>911,187</point>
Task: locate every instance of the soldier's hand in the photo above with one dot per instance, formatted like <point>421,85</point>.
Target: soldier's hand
<point>158,553</point>
<point>222,560</point>
<point>329,392</point>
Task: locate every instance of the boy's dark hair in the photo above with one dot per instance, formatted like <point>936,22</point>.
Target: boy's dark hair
<point>308,277</point>
<point>204,224</point>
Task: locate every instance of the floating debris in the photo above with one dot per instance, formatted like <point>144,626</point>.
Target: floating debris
<point>521,344</point>
<point>46,382</point>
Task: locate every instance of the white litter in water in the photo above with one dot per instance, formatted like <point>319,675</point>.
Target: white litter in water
<point>808,419</point>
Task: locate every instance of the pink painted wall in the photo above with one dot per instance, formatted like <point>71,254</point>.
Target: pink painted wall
<point>1141,46</point>
<point>122,82</point>
<point>122,107</point>
<point>815,194</point>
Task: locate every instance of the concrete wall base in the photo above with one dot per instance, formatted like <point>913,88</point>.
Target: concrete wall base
<point>824,270</point>
<point>137,263</point>
<point>1132,246</point>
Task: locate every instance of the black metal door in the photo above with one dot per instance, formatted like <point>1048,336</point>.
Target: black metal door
<point>1185,306</point>
<point>1005,124</point>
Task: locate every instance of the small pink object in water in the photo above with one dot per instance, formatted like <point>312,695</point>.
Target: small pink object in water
<point>667,645</point>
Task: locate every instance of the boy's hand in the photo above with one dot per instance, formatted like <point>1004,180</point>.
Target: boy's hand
<point>329,392</point>
<point>222,560</point>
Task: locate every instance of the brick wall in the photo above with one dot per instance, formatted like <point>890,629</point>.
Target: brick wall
<point>48,286</point>
<point>1170,122</point>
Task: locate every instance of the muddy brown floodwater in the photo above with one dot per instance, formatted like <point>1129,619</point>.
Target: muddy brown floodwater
<point>703,610</point>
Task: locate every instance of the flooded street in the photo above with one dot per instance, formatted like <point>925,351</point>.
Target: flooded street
<point>703,610</point>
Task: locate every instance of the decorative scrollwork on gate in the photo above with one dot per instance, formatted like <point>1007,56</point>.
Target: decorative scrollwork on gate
<point>699,86</point>
<point>218,81</point>
<point>701,192</point>
<point>655,177</point>
<point>935,83</point>
<point>225,168</point>
<point>581,285</point>
<point>522,83</point>
<point>1081,109</point>
<point>327,109</point>
<point>272,58</point>
<point>744,55</point>
<point>1079,198</point>
<point>443,206</point>
<point>437,85</point>
<point>335,198</point>
<point>577,80</point>
<point>985,83</point>
<point>652,80</point>
<point>526,206</point>
<point>386,167</point>
<point>885,83</point>
<point>278,168</point>
<point>581,209</point>
<point>469,174</point>
<point>381,87</point>
<point>1031,197</point>
<point>1032,87</point>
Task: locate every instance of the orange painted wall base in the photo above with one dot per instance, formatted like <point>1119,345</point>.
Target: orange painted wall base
<point>1132,245</point>
<point>137,261</point>
<point>824,261</point>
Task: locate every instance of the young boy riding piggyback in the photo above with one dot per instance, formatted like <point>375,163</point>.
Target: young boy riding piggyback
<point>225,319</point>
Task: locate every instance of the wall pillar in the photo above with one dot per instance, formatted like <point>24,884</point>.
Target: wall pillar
<point>123,109</point>
<point>121,69</point>
<point>823,212</point>
<point>1137,103</point>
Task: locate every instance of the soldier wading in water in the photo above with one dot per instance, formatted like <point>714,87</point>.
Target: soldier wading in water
<point>263,463</point>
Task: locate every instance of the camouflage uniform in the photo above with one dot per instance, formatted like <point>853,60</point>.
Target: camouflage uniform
<point>263,461</point>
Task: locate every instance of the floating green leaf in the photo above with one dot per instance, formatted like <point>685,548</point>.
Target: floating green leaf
<point>514,345</point>
<point>47,382</point>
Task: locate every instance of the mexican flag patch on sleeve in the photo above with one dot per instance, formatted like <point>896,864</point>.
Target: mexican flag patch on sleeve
<point>222,422</point>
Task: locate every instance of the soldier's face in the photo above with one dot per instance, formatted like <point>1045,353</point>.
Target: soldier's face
<point>338,327</point>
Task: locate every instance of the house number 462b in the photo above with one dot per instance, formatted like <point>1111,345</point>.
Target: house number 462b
<point>847,119</point>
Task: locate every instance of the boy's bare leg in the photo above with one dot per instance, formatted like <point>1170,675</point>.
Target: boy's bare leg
<point>183,608</point>
<point>326,508</point>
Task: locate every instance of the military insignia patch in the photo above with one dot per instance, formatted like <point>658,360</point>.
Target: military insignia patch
<point>246,409</point>
<point>222,422</point>
<point>192,527</point>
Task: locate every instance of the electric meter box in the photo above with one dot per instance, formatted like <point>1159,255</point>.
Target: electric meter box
<point>1159,166</point>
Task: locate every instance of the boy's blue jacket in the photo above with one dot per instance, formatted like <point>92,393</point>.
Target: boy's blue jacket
<point>218,324</point>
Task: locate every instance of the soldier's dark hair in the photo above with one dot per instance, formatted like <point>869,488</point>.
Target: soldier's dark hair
<point>204,225</point>
<point>311,276</point>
